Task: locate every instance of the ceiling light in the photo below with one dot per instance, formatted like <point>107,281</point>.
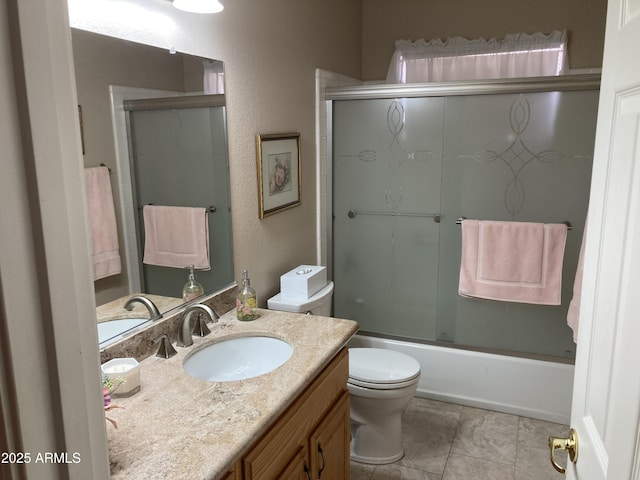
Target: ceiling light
<point>199,6</point>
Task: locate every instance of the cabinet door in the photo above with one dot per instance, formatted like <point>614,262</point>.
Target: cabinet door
<point>283,441</point>
<point>298,468</point>
<point>330,443</point>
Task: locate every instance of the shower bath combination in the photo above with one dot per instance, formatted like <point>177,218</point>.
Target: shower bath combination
<point>425,157</point>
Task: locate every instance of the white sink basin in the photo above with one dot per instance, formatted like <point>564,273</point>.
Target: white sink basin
<point>237,358</point>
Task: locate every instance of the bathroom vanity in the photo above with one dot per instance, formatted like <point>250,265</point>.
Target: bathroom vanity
<point>292,422</point>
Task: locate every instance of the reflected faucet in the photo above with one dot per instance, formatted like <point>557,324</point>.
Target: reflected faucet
<point>154,313</point>
<point>184,328</point>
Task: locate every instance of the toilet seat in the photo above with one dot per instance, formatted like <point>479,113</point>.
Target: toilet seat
<point>381,369</point>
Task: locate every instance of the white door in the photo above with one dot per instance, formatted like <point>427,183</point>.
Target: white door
<point>606,399</point>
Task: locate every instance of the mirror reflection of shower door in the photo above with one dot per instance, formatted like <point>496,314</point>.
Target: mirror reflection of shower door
<point>177,147</point>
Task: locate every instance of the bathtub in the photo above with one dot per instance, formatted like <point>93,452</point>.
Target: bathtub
<point>520,386</point>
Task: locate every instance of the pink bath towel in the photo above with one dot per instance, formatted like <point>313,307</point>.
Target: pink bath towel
<point>512,261</point>
<point>573,314</point>
<point>105,251</point>
<point>176,237</point>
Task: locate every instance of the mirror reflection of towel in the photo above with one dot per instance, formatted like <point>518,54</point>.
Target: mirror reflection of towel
<point>176,237</point>
<point>105,251</point>
<point>512,261</point>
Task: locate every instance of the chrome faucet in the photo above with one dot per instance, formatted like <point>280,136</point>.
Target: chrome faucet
<point>184,328</point>
<point>154,313</point>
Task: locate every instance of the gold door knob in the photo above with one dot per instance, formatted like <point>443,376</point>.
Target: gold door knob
<point>569,444</point>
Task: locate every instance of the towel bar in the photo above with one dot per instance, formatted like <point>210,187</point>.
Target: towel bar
<point>108,168</point>
<point>567,223</point>
<point>211,209</point>
<point>354,213</point>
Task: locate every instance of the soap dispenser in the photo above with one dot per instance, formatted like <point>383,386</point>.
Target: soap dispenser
<point>246,301</point>
<point>192,289</point>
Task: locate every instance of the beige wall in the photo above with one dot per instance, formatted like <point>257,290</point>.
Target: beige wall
<point>385,21</point>
<point>271,50</point>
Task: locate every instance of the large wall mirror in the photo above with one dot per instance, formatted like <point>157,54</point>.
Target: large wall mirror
<point>145,116</point>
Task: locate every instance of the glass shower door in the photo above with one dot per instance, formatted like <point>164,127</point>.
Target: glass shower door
<point>514,157</point>
<point>522,157</point>
<point>386,184</point>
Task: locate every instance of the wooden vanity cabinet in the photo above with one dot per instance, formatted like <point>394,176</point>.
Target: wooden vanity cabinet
<point>310,440</point>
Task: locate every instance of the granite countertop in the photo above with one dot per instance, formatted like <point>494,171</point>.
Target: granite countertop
<point>181,427</point>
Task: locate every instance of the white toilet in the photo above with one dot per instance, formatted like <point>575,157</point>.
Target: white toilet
<point>381,384</point>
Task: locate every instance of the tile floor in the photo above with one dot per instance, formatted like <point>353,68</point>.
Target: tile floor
<point>443,441</point>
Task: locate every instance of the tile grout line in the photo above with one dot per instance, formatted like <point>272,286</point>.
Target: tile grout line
<point>453,439</point>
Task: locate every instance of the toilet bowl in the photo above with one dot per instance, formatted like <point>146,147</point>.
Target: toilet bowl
<point>381,384</point>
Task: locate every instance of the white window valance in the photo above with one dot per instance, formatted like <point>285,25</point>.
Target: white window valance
<point>457,58</point>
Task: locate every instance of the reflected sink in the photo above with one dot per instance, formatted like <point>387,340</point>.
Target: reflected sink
<point>237,358</point>
<point>112,330</point>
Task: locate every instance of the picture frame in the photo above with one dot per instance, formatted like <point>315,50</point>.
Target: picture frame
<point>279,179</point>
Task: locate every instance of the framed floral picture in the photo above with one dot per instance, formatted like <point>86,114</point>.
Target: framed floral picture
<point>278,172</point>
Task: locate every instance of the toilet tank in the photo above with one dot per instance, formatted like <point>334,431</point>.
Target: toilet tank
<point>318,304</point>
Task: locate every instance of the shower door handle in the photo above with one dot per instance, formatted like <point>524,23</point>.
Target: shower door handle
<point>569,444</point>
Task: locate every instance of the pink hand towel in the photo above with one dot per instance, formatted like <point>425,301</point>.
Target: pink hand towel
<point>103,232</point>
<point>512,261</point>
<point>176,237</point>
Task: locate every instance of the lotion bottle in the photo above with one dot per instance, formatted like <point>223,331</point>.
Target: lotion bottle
<point>192,289</point>
<point>246,300</point>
